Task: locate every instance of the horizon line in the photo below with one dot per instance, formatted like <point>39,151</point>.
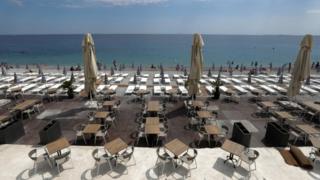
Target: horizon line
<point>220,34</point>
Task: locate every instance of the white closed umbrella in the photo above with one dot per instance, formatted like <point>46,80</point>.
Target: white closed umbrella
<point>3,71</point>
<point>196,65</point>
<point>301,68</point>
<point>90,65</point>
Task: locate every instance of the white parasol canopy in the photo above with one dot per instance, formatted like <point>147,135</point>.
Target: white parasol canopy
<point>196,65</point>
<point>90,65</point>
<point>301,68</point>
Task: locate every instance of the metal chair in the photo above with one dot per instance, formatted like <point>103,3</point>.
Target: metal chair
<point>105,158</point>
<point>60,159</point>
<point>33,155</point>
<point>126,156</point>
<point>189,159</point>
<point>102,133</point>
<point>163,159</point>
<point>79,133</point>
<point>250,160</point>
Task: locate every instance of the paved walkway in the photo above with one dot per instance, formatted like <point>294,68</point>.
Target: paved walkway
<point>15,164</point>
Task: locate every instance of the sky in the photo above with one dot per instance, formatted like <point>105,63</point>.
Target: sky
<point>292,17</point>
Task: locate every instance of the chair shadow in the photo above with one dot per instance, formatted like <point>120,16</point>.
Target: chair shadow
<point>43,168</point>
<point>228,169</point>
<point>115,172</point>
<point>176,173</point>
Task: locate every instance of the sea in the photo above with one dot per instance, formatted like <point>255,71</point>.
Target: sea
<point>147,49</point>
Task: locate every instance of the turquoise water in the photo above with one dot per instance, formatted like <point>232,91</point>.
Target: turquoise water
<point>152,49</point>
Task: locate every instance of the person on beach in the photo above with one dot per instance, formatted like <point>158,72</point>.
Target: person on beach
<point>114,62</point>
<point>71,68</point>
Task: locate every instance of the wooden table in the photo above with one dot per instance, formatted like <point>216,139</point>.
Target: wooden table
<point>204,114</point>
<point>176,147</point>
<point>101,114</point>
<point>197,104</point>
<point>151,129</point>
<point>234,149</point>
<point>268,104</point>
<point>4,118</point>
<point>115,146</point>
<point>311,105</point>
<point>315,142</point>
<point>153,106</point>
<point>108,104</point>
<point>211,130</point>
<point>25,104</point>
<point>283,115</point>
<point>308,129</point>
<point>57,145</point>
<point>152,121</point>
<point>91,128</point>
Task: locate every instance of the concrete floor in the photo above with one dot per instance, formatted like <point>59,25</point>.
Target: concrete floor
<point>15,164</point>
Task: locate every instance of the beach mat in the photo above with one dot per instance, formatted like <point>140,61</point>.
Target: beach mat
<point>288,158</point>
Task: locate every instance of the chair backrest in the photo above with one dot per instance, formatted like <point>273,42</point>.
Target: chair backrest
<point>95,155</point>
<point>128,154</point>
<point>225,129</point>
<point>161,156</point>
<point>63,155</point>
<point>33,154</point>
<point>195,154</point>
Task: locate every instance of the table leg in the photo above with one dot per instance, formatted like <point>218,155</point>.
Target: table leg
<point>230,158</point>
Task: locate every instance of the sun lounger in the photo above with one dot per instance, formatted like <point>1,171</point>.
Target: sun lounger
<point>113,87</point>
<point>316,87</point>
<point>209,89</point>
<point>262,76</point>
<point>167,88</point>
<point>5,86</point>
<point>268,89</point>
<point>273,80</point>
<point>28,87</point>
<point>223,89</point>
<point>278,88</point>
<point>131,80</point>
<point>180,81</point>
<point>129,90</point>
<point>260,81</point>
<point>183,90</point>
<point>35,80</point>
<point>240,89</point>
<point>157,90</point>
<point>203,81</point>
<point>156,81</point>
<point>143,80</point>
<point>143,87</point>
<point>309,90</point>
<point>18,86</point>
<point>118,79</point>
<point>124,75</point>
<point>61,79</point>
<point>211,80</point>
<point>55,87</point>
<point>79,88</point>
<point>145,75</point>
<point>236,81</point>
<point>40,88</point>
<point>167,81</point>
<point>226,81</point>
<point>101,87</point>
<point>116,75</point>
<point>204,76</point>
<point>9,79</point>
<point>315,81</point>
<point>176,76</point>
